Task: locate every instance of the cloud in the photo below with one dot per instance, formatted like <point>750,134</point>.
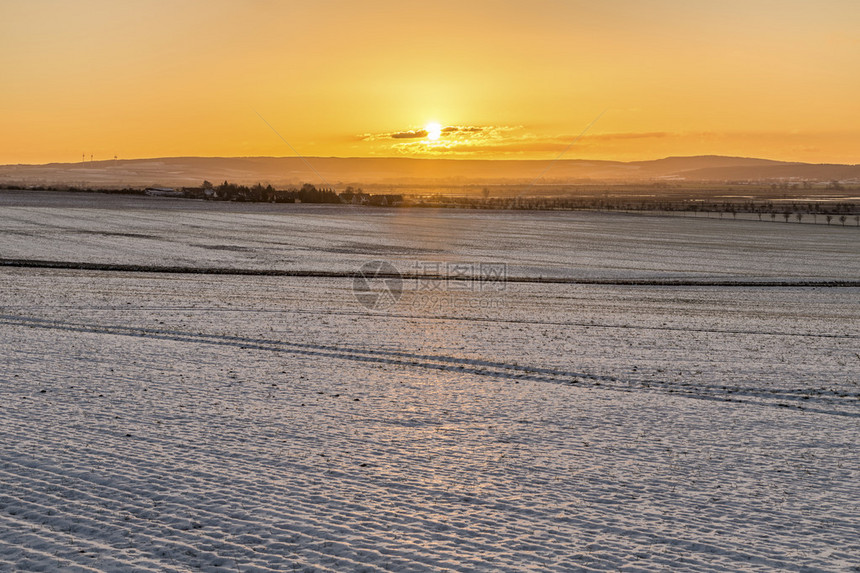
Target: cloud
<point>539,142</point>
<point>420,133</point>
<point>411,134</point>
<point>498,139</point>
<point>461,129</point>
<point>513,147</point>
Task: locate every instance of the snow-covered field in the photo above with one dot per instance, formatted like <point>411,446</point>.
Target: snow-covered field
<point>140,230</point>
<point>183,422</point>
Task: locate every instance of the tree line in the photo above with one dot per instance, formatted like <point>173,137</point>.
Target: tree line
<point>307,193</point>
<point>829,212</point>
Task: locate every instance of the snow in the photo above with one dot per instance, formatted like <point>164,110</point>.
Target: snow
<point>157,231</point>
<point>156,422</point>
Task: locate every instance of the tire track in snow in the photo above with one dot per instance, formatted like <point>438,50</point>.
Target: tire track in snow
<point>448,318</point>
<point>801,399</point>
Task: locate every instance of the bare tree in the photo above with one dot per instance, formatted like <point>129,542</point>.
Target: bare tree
<point>828,218</point>
<point>842,219</point>
<point>799,217</point>
<point>786,216</point>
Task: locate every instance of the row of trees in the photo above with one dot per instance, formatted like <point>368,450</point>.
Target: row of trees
<point>841,212</point>
<point>257,193</point>
<point>799,218</point>
<point>306,194</point>
<point>830,212</point>
<point>633,204</point>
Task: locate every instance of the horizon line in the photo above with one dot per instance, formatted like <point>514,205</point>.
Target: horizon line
<point>457,159</point>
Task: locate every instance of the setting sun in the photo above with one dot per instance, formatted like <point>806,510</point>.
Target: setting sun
<point>485,285</point>
<point>434,131</point>
<point>512,80</point>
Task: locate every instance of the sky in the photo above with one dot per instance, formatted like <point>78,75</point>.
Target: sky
<point>616,80</point>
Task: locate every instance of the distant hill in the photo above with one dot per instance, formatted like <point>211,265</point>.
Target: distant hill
<point>337,171</point>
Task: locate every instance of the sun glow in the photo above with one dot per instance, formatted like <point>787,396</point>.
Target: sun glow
<point>744,90</point>
<point>434,131</point>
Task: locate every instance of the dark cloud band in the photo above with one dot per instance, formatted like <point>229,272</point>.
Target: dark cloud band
<point>412,134</point>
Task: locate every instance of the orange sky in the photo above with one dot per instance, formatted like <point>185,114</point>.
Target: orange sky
<point>775,79</point>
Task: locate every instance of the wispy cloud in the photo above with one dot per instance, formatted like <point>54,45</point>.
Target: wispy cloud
<point>418,132</point>
<point>470,140</point>
<point>411,134</point>
<point>452,129</point>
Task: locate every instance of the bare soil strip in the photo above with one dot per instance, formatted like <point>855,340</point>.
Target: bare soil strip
<point>110,267</point>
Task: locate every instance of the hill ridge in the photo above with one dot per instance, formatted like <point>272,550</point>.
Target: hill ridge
<point>341,171</point>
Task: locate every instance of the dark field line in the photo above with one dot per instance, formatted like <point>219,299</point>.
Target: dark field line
<point>110,267</point>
